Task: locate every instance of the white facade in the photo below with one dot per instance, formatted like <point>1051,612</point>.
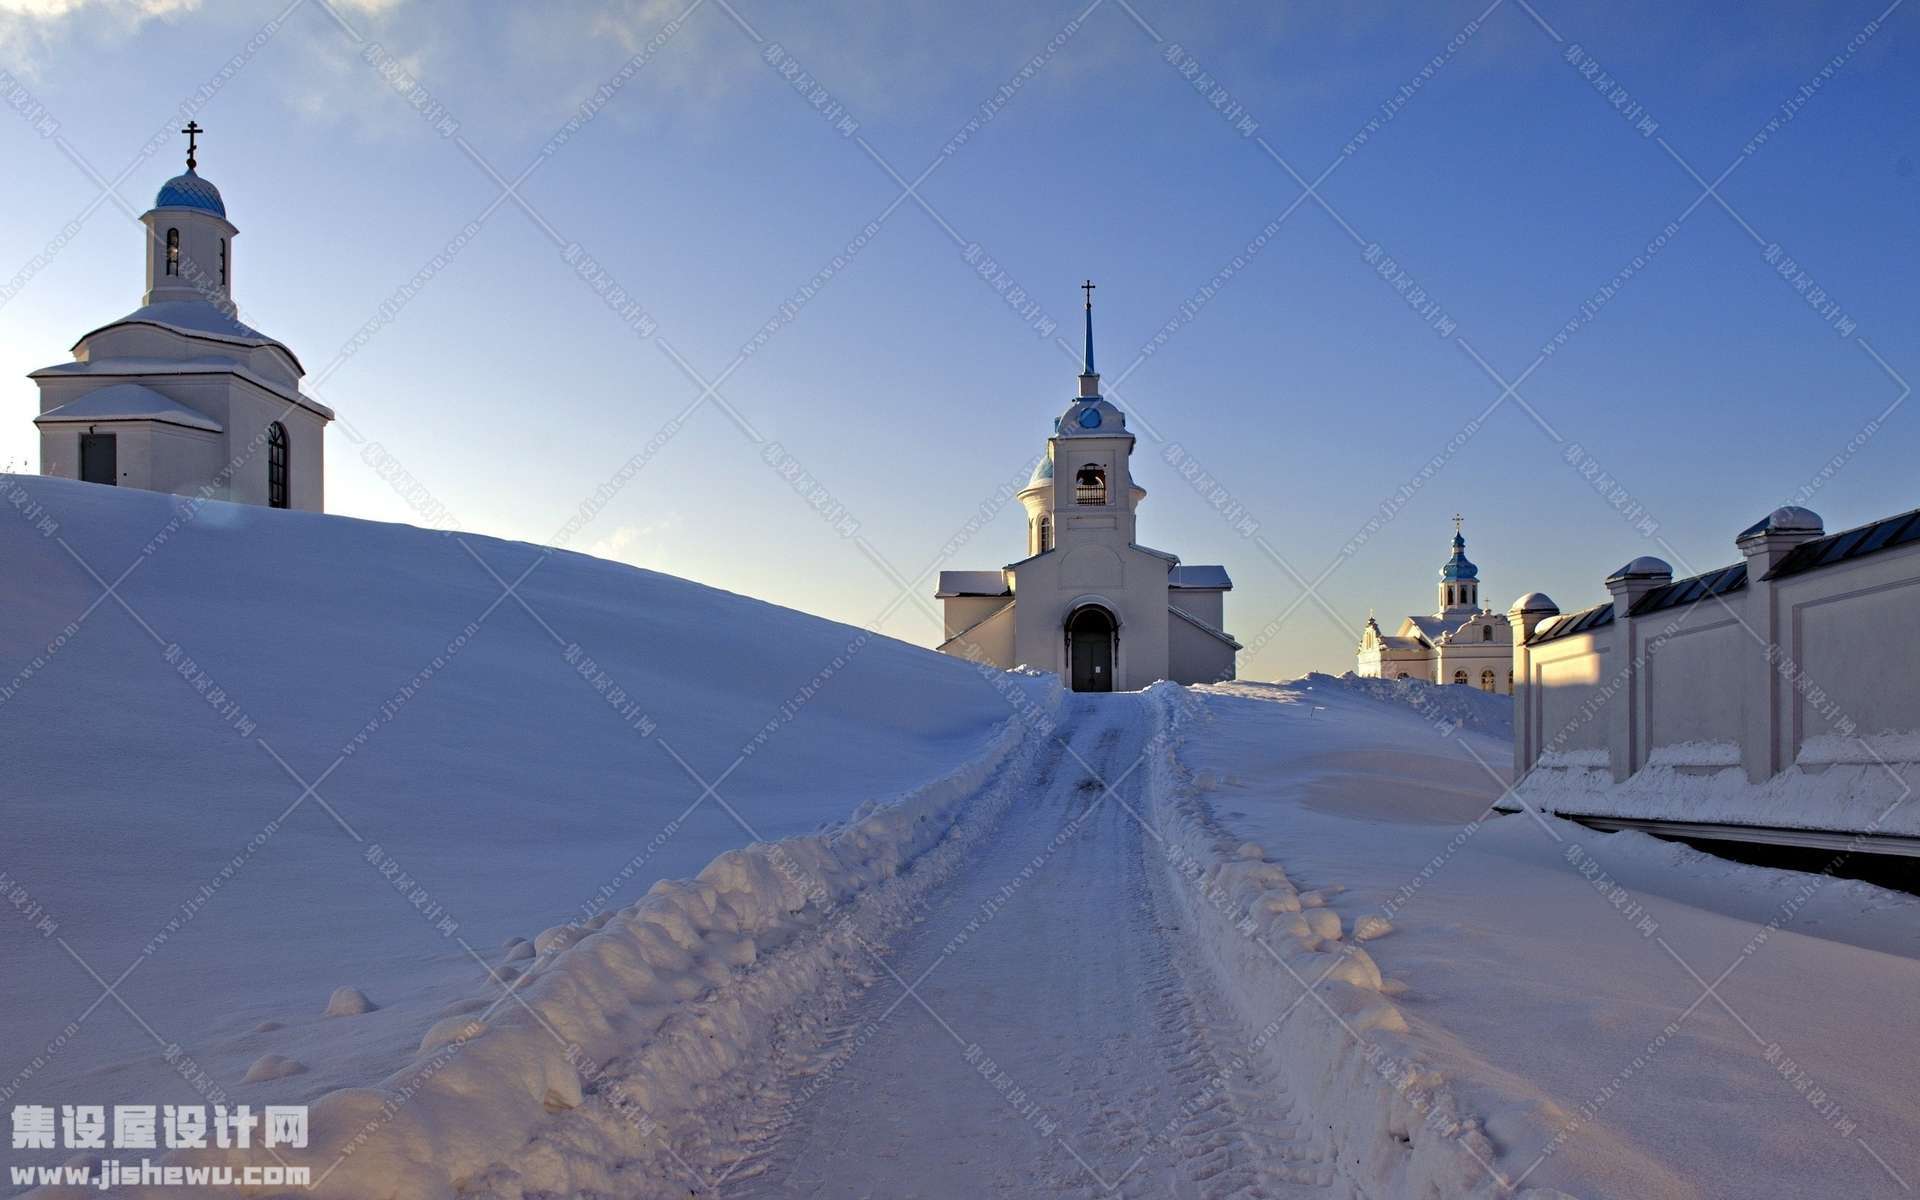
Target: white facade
<point>178,395</point>
<point>1459,642</point>
<point>1093,605</point>
<point>1772,694</point>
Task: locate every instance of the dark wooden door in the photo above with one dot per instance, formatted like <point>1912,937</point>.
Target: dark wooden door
<point>1090,651</point>
<point>99,458</point>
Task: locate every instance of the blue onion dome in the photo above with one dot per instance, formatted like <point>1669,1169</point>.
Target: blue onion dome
<point>190,191</point>
<point>1458,567</point>
<point>1042,473</point>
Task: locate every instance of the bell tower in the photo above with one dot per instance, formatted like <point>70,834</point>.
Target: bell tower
<point>189,239</point>
<point>1085,489</point>
<point>1459,589</point>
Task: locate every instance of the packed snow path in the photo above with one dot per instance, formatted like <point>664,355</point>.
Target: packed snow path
<point>1041,1031</point>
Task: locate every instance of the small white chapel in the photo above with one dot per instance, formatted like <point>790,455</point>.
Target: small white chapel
<point>179,396</point>
<point>1460,642</point>
<point>1088,602</point>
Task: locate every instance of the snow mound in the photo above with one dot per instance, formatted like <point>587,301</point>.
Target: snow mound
<point>273,1066</point>
<point>274,752</point>
<point>1464,706</point>
<point>349,1002</point>
<point>624,1039</point>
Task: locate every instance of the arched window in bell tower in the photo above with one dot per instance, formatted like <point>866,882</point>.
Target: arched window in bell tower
<point>1046,534</point>
<point>1090,485</point>
<point>223,262</point>
<point>173,251</point>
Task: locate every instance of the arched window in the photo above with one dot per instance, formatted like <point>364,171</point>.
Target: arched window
<point>277,465</point>
<point>173,251</point>
<point>1486,681</point>
<point>1046,533</point>
<point>223,262</point>
<point>1459,676</point>
<point>1486,633</point>
<point>1090,485</point>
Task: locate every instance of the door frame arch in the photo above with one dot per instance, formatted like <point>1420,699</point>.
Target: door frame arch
<point>1110,611</point>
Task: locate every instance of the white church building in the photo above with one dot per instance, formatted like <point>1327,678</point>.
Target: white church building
<point>1459,642</point>
<point>179,396</point>
<point>1089,602</point>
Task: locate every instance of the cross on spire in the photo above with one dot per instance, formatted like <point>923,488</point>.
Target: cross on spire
<point>1456,522</point>
<point>193,132</point>
<point>1087,371</point>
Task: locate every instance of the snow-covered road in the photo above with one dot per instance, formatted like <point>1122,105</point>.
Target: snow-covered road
<point>1041,1031</point>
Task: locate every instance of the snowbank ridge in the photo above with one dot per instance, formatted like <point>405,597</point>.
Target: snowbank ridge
<point>1394,1124</point>
<point>610,1063</point>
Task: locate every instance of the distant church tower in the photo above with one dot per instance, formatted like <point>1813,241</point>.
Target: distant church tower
<point>1459,592</point>
<point>1093,605</point>
<point>179,396</point>
<point>1459,643</point>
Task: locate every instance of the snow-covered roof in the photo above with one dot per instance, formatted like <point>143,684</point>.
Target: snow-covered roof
<point>1568,624</point>
<point>1091,416</point>
<point>1644,567</point>
<point>1884,534</point>
<point>1789,518</point>
<point>197,318</point>
<point>209,365</point>
<point>1209,576</point>
<point>971,583</point>
<point>1204,627</point>
<point>127,402</point>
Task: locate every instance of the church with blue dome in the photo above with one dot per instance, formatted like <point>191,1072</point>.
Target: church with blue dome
<point>180,395</point>
<point>1088,601</point>
<point>1459,642</point>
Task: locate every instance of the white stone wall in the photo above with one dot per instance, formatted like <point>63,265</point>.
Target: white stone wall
<point>1560,708</point>
<point>1780,676</point>
<point>1196,656</point>
<point>988,639</point>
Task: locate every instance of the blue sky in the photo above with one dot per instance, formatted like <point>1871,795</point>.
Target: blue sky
<point>1343,424</point>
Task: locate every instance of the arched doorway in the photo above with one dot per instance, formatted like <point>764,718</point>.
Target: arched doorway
<point>1090,642</point>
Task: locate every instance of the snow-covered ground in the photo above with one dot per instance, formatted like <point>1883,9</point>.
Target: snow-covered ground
<point>474,779</point>
<point>1556,979</point>
<point>539,875</point>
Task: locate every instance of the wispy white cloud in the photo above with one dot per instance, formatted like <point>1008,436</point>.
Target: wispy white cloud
<point>637,545</point>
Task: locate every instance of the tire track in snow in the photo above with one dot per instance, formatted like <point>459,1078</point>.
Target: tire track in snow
<point>1043,1029</point>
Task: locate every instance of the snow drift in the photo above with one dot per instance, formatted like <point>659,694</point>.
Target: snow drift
<point>321,784</point>
<point>1553,980</point>
<point>1394,1124</point>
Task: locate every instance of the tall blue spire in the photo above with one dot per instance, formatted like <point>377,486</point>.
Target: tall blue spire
<point>1087,369</point>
